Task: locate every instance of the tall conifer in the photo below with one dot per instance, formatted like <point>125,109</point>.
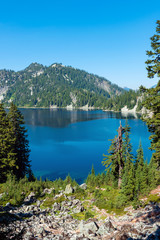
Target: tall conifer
<point>128,180</point>
<point>144,183</point>
<point>127,147</point>
<point>21,144</point>
<point>152,100</point>
<point>111,162</point>
<point>139,168</point>
<point>114,161</point>
<point>7,139</point>
<point>153,173</point>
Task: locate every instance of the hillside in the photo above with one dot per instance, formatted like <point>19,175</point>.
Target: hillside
<point>56,85</point>
<point>71,213</point>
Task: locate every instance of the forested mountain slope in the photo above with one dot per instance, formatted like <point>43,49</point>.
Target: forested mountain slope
<point>56,85</point>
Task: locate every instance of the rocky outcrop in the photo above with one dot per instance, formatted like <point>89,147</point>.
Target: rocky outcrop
<point>126,110</point>
<point>32,221</point>
<point>69,189</point>
<point>3,91</point>
<point>83,186</point>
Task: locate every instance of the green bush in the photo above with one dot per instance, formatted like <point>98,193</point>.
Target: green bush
<point>80,193</point>
<point>88,215</point>
<point>153,198</point>
<point>97,194</point>
<point>101,203</point>
<point>120,202</point>
<point>13,191</point>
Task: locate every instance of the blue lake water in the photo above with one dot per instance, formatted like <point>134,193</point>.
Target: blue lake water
<point>63,142</point>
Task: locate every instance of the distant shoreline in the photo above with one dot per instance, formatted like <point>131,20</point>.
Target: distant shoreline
<point>123,110</point>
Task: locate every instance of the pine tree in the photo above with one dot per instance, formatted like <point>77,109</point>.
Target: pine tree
<point>68,179</point>
<point>139,155</point>
<point>103,179</point>
<point>128,179</point>
<point>111,162</point>
<point>153,64</point>
<point>153,174</point>
<point>127,147</point>
<point>128,182</point>
<point>108,178</point>
<point>91,178</point>
<point>98,180</point>
<point>93,171</point>
<point>7,154</point>
<point>139,167</point>
<point>152,101</point>
<point>3,126</point>
<point>144,182</point>
<point>114,161</point>
<point>21,143</point>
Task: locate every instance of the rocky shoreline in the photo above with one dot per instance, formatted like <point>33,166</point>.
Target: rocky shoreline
<point>31,221</point>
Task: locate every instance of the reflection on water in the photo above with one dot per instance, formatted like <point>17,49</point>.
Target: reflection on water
<point>62,117</point>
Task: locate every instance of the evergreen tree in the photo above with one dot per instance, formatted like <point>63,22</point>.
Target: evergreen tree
<point>68,179</point>
<point>144,182</point>
<point>139,156</point>
<point>93,171</point>
<point>128,179</point>
<point>108,178</point>
<point>7,154</point>
<point>91,178</point>
<point>152,100</point>
<point>127,147</point>
<point>21,143</point>
<point>111,162</point>
<point>103,179</point>
<point>139,168</point>
<point>98,181</point>
<point>152,174</point>
<point>153,64</point>
<point>128,182</point>
<point>3,156</point>
<point>114,161</point>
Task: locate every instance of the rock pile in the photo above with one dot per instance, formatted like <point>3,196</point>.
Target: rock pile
<point>30,222</point>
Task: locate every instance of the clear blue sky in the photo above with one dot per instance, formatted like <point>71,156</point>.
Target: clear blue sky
<point>108,38</point>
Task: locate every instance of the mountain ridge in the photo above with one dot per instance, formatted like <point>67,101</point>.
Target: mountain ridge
<point>55,85</point>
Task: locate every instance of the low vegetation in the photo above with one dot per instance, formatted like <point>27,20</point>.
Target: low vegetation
<point>94,199</point>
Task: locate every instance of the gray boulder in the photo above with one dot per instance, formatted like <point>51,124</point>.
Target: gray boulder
<point>78,209</point>
<point>89,228</point>
<point>9,205</point>
<point>38,203</point>
<point>83,186</point>
<point>48,190</point>
<point>105,228</point>
<point>1,195</point>
<point>76,201</point>
<point>30,198</point>
<point>69,189</point>
<point>56,206</point>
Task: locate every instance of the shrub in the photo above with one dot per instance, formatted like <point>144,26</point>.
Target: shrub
<point>88,215</point>
<point>154,198</point>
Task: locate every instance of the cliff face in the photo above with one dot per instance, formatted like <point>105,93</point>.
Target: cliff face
<point>32,220</point>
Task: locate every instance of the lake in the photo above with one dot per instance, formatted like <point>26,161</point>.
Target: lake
<point>66,142</point>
